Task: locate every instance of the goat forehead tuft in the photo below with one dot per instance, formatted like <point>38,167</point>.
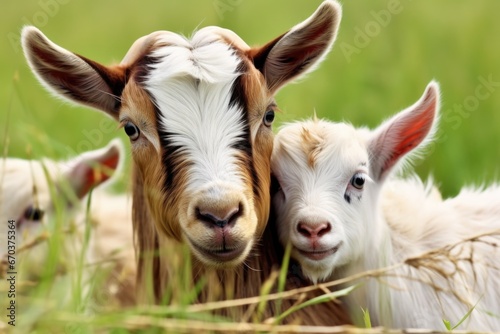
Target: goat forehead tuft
<point>317,141</point>
<point>312,145</point>
<point>206,57</point>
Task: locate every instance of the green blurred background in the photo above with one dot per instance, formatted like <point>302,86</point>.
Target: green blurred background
<point>385,54</point>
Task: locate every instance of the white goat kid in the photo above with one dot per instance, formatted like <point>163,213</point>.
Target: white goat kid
<point>26,198</point>
<point>344,214</point>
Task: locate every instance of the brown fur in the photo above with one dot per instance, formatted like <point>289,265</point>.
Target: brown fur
<point>117,90</point>
<point>149,201</point>
<point>311,145</point>
<point>162,252</point>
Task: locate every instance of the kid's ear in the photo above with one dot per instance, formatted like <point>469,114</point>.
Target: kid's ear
<point>92,168</point>
<point>301,49</point>
<point>404,132</point>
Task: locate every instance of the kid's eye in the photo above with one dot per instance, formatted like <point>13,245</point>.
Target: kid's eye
<point>358,181</point>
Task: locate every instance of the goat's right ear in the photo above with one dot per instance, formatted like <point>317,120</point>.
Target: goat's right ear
<point>404,132</point>
<point>72,76</point>
<point>301,49</point>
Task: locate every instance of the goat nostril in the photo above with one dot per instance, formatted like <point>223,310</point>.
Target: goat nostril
<point>208,218</point>
<point>235,214</point>
<point>304,230</point>
<point>313,230</point>
<point>324,229</point>
<point>227,217</point>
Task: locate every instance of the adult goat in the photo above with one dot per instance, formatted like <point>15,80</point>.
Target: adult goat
<point>198,113</point>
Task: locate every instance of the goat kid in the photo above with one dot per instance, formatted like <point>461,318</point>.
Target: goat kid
<point>198,113</point>
<point>344,213</point>
<point>27,196</point>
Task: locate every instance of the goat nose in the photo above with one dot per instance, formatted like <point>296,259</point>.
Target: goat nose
<point>220,216</point>
<point>313,230</point>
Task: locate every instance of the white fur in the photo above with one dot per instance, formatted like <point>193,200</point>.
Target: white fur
<point>191,86</point>
<point>18,179</point>
<point>388,221</point>
<point>24,184</point>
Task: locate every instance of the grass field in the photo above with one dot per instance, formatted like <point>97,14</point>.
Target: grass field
<point>386,53</point>
<point>379,65</point>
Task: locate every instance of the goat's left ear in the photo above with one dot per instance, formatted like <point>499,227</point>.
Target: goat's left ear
<point>71,76</point>
<point>299,50</point>
<point>94,167</point>
<point>404,132</point>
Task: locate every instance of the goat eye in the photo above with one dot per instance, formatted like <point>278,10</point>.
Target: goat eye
<point>33,213</point>
<point>269,118</point>
<point>132,131</point>
<point>358,181</point>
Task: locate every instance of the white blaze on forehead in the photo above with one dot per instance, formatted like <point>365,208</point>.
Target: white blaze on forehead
<point>191,84</point>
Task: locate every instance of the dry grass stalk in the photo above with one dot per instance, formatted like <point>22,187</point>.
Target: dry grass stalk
<point>431,261</point>
<point>134,323</point>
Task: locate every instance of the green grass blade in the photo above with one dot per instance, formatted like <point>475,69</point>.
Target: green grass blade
<point>264,291</point>
<point>465,316</point>
<point>327,297</point>
<point>366,318</point>
<point>447,324</point>
<point>83,254</point>
<point>283,275</point>
<point>284,268</point>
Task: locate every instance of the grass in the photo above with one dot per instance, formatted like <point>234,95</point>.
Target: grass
<point>450,327</point>
<point>58,302</point>
<point>453,41</point>
<point>366,318</point>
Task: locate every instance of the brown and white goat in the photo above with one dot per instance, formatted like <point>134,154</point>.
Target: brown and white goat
<point>32,191</point>
<point>198,113</point>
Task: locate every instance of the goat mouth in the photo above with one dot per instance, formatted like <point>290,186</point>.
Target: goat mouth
<point>220,255</point>
<point>317,255</point>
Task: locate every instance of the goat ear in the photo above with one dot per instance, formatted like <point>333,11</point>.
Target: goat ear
<point>93,168</point>
<point>72,76</point>
<point>299,50</point>
<point>404,132</point>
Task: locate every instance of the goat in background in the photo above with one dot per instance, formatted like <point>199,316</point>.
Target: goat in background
<point>47,198</point>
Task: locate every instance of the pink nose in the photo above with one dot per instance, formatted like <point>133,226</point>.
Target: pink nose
<point>313,230</point>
